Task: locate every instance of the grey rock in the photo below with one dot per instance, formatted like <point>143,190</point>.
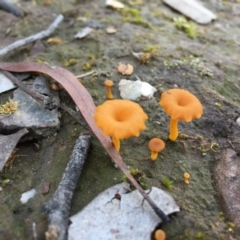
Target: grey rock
<point>7,145</point>
<point>40,85</point>
<point>228,182</point>
<point>31,115</point>
<point>5,83</point>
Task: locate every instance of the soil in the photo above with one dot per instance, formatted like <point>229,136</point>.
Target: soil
<point>207,66</point>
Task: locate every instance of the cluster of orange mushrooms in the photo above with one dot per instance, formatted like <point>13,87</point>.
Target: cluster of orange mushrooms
<point>122,119</point>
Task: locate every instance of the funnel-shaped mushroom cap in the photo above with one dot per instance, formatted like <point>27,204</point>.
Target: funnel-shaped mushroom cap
<point>156,145</point>
<point>181,104</point>
<point>120,119</point>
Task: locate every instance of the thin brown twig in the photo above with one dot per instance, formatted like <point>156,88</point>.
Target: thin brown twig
<point>85,74</point>
<point>32,38</point>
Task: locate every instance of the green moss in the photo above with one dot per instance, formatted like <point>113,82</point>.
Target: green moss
<point>153,49</point>
<point>91,57</point>
<point>6,181</point>
<point>87,66</point>
<point>139,177</point>
<point>130,12</point>
<point>70,62</point>
<point>196,63</point>
<point>133,15</point>
<point>167,183</point>
<point>199,235</point>
<point>188,27</point>
<point>231,225</point>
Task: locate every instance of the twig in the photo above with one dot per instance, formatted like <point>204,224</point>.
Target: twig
<point>32,38</point>
<point>74,114</point>
<point>7,7</point>
<point>85,74</point>
<point>48,101</point>
<point>57,208</point>
<point>22,86</point>
<point>34,231</point>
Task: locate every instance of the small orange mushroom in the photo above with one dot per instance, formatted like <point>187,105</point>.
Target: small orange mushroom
<point>181,105</point>
<point>186,176</point>
<point>156,145</point>
<point>159,235</point>
<point>120,119</point>
<point>109,83</point>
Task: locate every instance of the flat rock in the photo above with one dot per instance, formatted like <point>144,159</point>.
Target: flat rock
<point>5,83</point>
<point>31,115</point>
<point>228,182</point>
<point>128,217</point>
<point>192,9</point>
<point>7,145</point>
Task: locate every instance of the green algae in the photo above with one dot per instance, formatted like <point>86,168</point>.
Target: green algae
<point>133,15</point>
<point>167,182</point>
<point>188,27</point>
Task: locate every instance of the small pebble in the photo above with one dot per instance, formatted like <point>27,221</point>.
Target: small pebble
<point>238,121</point>
<point>46,187</point>
<point>27,195</point>
<point>111,30</point>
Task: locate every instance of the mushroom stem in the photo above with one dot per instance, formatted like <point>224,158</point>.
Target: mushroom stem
<point>109,92</point>
<point>154,155</point>
<point>173,129</point>
<point>116,143</point>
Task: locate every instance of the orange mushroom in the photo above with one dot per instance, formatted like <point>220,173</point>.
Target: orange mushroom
<point>156,145</point>
<point>120,119</point>
<point>186,177</point>
<point>181,105</point>
<point>109,83</point>
<point>159,235</point>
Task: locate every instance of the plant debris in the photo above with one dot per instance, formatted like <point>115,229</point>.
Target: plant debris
<point>125,69</point>
<point>83,33</point>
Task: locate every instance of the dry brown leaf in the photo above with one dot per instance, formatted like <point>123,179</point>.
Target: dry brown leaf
<point>86,105</point>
